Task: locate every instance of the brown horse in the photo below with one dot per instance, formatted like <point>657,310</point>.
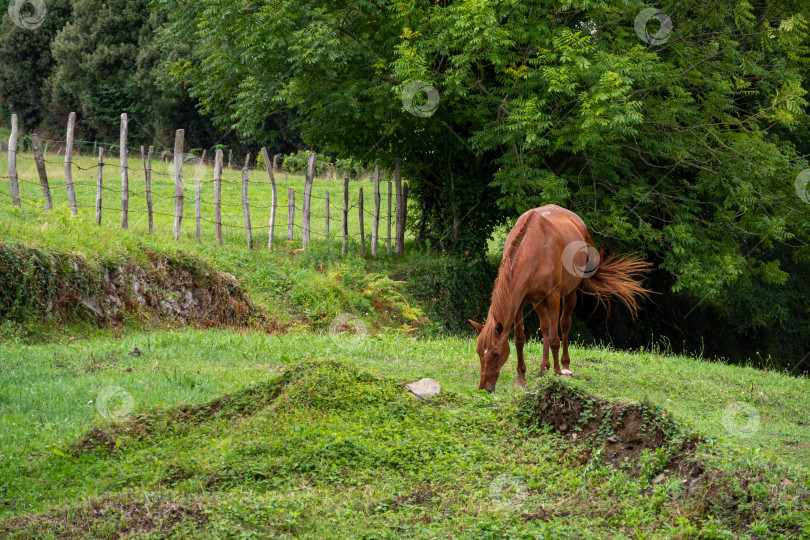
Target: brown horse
<point>548,255</point>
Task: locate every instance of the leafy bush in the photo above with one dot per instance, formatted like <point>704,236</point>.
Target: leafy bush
<point>453,290</point>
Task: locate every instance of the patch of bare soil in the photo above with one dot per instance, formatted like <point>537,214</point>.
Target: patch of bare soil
<point>120,517</point>
<point>170,290</point>
<point>618,432</point>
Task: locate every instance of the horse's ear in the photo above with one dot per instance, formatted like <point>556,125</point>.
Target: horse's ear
<point>478,326</point>
<point>498,328</point>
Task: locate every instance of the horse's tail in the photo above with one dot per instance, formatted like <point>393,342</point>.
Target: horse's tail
<point>620,276</point>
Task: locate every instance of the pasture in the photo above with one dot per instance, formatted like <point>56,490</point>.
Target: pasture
<point>287,429</point>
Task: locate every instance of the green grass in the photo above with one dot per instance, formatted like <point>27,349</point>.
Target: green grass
<point>341,453</point>
<point>318,439</point>
<point>234,234</point>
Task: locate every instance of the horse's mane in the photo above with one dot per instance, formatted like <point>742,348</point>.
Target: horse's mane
<point>502,293</point>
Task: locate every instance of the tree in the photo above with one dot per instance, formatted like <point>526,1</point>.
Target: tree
<point>26,63</point>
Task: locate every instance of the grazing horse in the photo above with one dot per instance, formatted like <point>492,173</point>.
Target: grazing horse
<point>548,255</point>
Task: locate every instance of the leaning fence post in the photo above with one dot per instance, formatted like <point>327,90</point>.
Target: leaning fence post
<point>69,164</point>
<point>400,223</point>
<point>290,213</point>
<point>310,176</point>
<point>12,163</point>
<point>99,186</point>
<point>124,174</point>
<point>362,229</point>
<point>43,175</point>
<point>179,137</point>
<point>246,204</point>
<point>375,225</point>
<point>389,217</point>
<point>274,202</point>
<point>218,194</point>
<point>326,234</point>
<point>345,214</point>
<point>147,172</point>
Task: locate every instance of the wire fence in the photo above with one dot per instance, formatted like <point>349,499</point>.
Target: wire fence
<point>298,210</point>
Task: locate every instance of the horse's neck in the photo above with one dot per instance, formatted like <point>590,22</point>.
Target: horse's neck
<point>507,299</point>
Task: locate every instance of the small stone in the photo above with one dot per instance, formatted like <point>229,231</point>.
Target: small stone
<point>564,428</point>
<point>612,439</point>
<point>659,479</point>
<point>424,388</point>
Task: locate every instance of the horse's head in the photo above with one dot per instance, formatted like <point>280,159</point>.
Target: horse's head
<point>493,350</point>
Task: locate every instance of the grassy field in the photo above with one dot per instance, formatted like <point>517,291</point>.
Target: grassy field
<point>338,450</point>
<point>299,432</point>
<point>233,224</point>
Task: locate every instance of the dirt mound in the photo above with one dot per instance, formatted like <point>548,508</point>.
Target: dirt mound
<point>119,517</point>
<point>178,420</point>
<point>169,289</point>
<point>617,433</point>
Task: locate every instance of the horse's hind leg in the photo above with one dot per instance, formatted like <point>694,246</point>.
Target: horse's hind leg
<point>565,325</point>
<point>520,340</point>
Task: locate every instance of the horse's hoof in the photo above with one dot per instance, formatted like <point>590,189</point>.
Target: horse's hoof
<point>520,384</point>
<point>542,372</point>
<point>567,373</point>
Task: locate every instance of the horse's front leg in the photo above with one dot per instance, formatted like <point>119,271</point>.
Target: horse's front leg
<point>542,313</point>
<point>520,340</point>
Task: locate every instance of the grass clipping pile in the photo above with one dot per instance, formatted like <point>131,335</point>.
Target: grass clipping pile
<point>614,433</point>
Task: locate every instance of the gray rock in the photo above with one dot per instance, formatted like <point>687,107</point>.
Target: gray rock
<point>659,479</point>
<point>424,388</point>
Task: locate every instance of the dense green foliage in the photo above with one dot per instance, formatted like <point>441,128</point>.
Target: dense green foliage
<point>685,150</point>
<point>101,59</point>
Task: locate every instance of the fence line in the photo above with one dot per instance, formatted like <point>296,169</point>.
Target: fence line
<point>270,166</point>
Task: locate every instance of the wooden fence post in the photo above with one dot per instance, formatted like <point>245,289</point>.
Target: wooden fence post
<point>230,158</point>
<point>345,214</point>
<point>310,176</point>
<point>43,175</point>
<point>124,174</point>
<point>375,225</point>
<point>404,215</point>
<point>69,164</point>
<point>389,217</point>
<point>147,173</point>
<point>95,143</point>
<point>246,204</point>
<point>197,209</point>
<point>12,164</point>
<point>274,201</point>
<point>218,194</point>
<point>99,187</point>
<point>362,229</point>
<point>400,224</point>
<point>179,137</point>
<point>326,234</point>
<point>290,213</point>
